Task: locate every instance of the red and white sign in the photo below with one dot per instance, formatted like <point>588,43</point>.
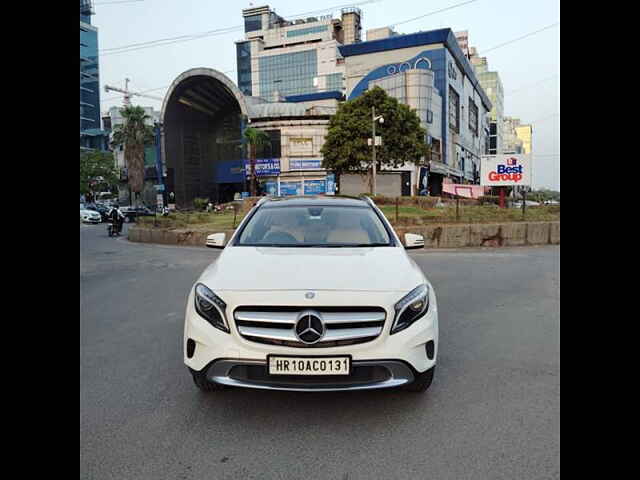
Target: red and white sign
<point>505,170</point>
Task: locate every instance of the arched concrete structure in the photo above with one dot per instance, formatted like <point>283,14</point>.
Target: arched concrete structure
<point>203,116</point>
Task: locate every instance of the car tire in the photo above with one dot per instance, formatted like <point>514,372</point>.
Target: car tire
<point>422,382</point>
<point>200,379</point>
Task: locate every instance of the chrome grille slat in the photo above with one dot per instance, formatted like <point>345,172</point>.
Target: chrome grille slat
<point>352,317</point>
<point>350,333</point>
<point>270,333</point>
<point>270,317</point>
<point>276,325</point>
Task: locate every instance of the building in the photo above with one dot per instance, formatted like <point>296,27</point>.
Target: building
<point>492,85</point>
<point>512,144</point>
<point>153,168</point>
<point>204,115</point>
<point>525,134</point>
<point>281,58</point>
<point>91,134</point>
<point>463,41</point>
<point>429,72</point>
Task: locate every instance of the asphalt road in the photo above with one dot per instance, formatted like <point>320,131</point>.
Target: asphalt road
<point>492,411</point>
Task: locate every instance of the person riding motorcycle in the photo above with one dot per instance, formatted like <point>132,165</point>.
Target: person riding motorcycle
<point>116,217</point>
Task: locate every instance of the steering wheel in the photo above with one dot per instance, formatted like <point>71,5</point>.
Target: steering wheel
<point>280,237</point>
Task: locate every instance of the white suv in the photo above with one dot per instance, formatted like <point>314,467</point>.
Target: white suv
<point>312,294</point>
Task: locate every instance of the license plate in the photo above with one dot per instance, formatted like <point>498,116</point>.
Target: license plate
<point>309,365</point>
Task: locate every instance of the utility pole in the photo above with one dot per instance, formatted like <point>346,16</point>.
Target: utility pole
<point>374,119</point>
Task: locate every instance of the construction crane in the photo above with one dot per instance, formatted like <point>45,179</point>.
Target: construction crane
<point>128,93</point>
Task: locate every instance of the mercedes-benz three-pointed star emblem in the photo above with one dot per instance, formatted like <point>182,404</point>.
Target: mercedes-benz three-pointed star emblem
<point>309,327</point>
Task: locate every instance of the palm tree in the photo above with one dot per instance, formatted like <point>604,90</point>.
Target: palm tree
<point>255,138</point>
<point>134,134</point>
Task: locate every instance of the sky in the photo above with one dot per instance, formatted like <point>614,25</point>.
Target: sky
<point>529,68</point>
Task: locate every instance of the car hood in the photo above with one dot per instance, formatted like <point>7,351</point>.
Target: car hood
<point>88,212</point>
<point>268,268</point>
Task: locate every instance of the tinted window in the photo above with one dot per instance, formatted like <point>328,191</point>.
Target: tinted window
<point>317,226</point>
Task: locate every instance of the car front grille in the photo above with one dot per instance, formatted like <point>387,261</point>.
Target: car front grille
<point>276,325</point>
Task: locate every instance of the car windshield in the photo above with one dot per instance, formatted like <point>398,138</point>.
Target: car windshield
<point>314,226</point>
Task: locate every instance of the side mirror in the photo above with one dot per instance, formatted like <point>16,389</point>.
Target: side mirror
<point>411,241</point>
<point>216,240</point>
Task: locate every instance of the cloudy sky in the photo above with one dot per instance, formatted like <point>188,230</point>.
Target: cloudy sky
<point>529,67</point>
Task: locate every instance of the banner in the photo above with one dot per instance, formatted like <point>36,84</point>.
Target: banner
<point>505,170</point>
<point>290,188</point>
<point>314,187</point>
<point>264,167</point>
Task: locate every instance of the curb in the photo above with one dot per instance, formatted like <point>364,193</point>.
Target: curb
<point>435,236</point>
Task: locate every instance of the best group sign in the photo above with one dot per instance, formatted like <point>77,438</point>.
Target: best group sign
<point>505,170</point>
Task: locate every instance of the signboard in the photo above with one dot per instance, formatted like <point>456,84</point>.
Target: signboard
<point>331,184</point>
<point>315,187</point>
<point>305,163</point>
<point>378,141</point>
<point>290,188</point>
<point>300,146</point>
<point>264,167</point>
<point>244,195</point>
<point>505,170</point>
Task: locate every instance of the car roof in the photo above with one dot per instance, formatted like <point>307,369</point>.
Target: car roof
<point>315,200</point>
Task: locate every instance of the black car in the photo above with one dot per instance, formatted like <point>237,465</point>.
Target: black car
<point>101,209</point>
<point>131,213</point>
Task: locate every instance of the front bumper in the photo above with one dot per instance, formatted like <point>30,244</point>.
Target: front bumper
<point>366,375</point>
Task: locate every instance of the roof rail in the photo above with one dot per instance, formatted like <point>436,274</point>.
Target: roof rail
<point>261,201</point>
<point>371,202</point>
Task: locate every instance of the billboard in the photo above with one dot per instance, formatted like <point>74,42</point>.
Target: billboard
<point>505,170</point>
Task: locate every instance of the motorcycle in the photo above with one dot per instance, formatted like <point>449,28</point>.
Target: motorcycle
<point>114,229</point>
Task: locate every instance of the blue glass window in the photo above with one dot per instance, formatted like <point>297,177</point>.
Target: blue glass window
<point>289,73</point>
<point>253,23</point>
<point>243,57</point>
<point>306,31</point>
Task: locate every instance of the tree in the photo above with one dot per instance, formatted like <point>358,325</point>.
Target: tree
<point>255,138</point>
<point>346,149</point>
<point>134,134</point>
<point>97,170</point>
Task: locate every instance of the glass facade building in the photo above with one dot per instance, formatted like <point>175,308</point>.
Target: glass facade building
<point>91,134</point>
<point>288,73</point>
<point>243,58</point>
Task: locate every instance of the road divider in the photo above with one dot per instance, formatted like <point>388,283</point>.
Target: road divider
<point>435,236</point>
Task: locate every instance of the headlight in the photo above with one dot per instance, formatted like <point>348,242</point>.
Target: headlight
<point>411,307</point>
<point>210,307</point>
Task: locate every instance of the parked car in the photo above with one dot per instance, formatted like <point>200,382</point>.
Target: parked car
<point>337,304</point>
<point>103,210</point>
<point>131,213</point>
<point>90,216</point>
